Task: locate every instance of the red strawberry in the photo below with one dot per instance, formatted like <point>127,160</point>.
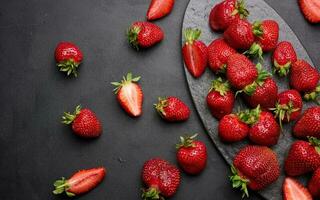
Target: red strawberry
<point>232,129</point>
<point>310,10</point>
<point>239,35</point>
<point>283,57</point>
<point>224,13</point>
<point>289,106</point>
<point>144,34</point>
<point>255,167</point>
<point>68,57</point>
<point>81,182</point>
<point>129,95</point>
<point>159,9</point>
<point>161,178</point>
<point>191,154</point>
<point>304,77</point>
<point>314,184</point>
<point>194,52</point>
<point>308,124</point>
<point>220,99</point>
<point>303,157</point>
<point>84,122</point>
<point>267,33</point>
<point>293,190</point>
<point>241,72</point>
<point>172,109</point>
<point>218,54</point>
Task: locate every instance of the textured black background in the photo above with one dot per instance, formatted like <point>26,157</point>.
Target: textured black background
<point>36,149</point>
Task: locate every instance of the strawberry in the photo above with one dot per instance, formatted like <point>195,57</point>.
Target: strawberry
<point>144,34</point>
<point>172,109</point>
<point>239,35</point>
<point>191,154</point>
<point>255,167</point>
<point>241,72</point>
<point>308,124</point>
<point>161,178</point>
<point>314,184</point>
<point>159,9</point>
<point>224,13</point>
<point>129,95</point>
<point>232,129</point>
<point>68,57</point>
<point>303,157</point>
<point>310,10</point>
<point>220,99</point>
<point>218,54</point>
<point>81,182</point>
<point>289,106</point>
<point>194,52</point>
<point>283,57</point>
<point>84,122</point>
<point>293,190</point>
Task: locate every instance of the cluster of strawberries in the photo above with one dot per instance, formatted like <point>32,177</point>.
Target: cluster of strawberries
<point>256,166</point>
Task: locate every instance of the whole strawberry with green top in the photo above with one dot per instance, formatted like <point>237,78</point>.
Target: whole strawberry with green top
<point>172,109</point>
<point>220,98</point>
<point>68,57</point>
<point>191,154</point>
<point>84,122</point>
<point>283,57</point>
<point>308,124</point>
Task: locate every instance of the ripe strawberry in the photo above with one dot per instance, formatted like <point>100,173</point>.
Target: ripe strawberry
<point>220,99</point>
<point>191,154</point>
<point>218,54</point>
<point>239,35</point>
<point>84,122</point>
<point>304,77</point>
<point>314,184</point>
<point>308,124</point>
<point>161,178</point>
<point>224,13</point>
<point>310,10</point>
<point>159,9</point>
<point>81,182</point>
<point>283,57</point>
<point>303,157</point>
<point>255,167</point>
<point>232,129</point>
<point>194,52</point>
<point>241,72</point>
<point>144,35</point>
<point>172,109</point>
<point>293,190</point>
<point>289,106</point>
<point>68,57</point>
<point>129,95</point>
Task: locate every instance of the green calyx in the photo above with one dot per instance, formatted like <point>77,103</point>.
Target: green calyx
<point>241,9</point>
<point>191,35</point>
<point>186,141</point>
<point>220,86</point>
<point>61,186</point>
<point>68,118</point>
<point>257,28</point>
<point>284,111</point>
<point>151,194</point>
<point>314,142</point>
<point>250,116</point>
<point>162,103</point>
<point>313,96</point>
<point>255,51</point>
<point>125,80</point>
<point>132,36</point>
<point>282,70</point>
<point>69,66</point>
<point>239,182</point>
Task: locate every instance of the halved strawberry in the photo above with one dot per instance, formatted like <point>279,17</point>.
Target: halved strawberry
<point>159,9</point>
<point>129,95</point>
<point>310,10</point>
<point>293,190</point>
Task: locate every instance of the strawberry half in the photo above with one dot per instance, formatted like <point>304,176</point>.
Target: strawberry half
<point>172,109</point>
<point>81,182</point>
<point>310,10</point>
<point>159,9</point>
<point>293,190</point>
<point>129,95</point>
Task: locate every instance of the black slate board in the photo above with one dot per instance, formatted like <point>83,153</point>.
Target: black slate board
<point>196,16</point>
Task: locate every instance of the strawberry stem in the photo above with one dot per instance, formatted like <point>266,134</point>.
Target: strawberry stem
<point>313,96</point>
<point>257,28</point>
<point>61,186</point>
<point>68,118</point>
<point>186,141</point>
<point>69,66</point>
<point>314,142</point>
<point>282,70</point>
<point>240,9</point>
<point>220,86</point>
<point>151,194</point>
<point>125,80</point>
<point>132,35</point>
<point>191,35</point>
<point>239,182</point>
<point>162,103</point>
<point>250,117</point>
<point>283,111</point>
<point>255,51</point>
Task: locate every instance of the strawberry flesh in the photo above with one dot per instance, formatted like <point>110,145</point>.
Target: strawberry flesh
<point>159,9</point>
<point>293,190</point>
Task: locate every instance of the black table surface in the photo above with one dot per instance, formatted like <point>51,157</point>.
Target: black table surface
<point>36,149</point>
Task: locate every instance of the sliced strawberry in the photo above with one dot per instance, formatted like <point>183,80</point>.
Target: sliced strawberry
<point>310,10</point>
<point>293,190</point>
<point>159,9</point>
